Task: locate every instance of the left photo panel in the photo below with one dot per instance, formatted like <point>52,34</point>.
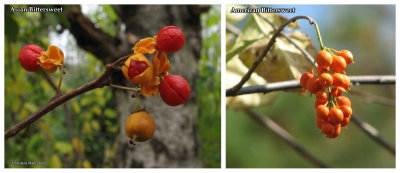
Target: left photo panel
<point>112,86</point>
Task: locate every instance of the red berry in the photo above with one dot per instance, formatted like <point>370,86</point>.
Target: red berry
<point>305,77</point>
<point>29,57</point>
<point>174,90</point>
<point>136,68</point>
<point>324,58</point>
<point>170,39</point>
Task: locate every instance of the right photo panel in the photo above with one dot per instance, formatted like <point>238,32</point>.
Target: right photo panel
<point>310,86</point>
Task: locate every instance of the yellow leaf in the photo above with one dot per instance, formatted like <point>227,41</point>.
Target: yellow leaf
<point>78,145</point>
<point>284,61</point>
<point>87,164</point>
<point>55,162</point>
<point>235,70</point>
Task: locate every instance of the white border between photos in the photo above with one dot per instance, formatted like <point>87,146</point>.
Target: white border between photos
<point>223,65</point>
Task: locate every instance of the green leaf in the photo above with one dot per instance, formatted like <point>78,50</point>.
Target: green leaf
<point>96,110</point>
<point>30,107</point>
<point>110,113</point>
<point>76,107</point>
<point>95,125</point>
<point>63,147</point>
<point>254,30</point>
<point>86,101</point>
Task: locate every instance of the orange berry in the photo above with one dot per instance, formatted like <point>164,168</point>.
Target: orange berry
<point>305,77</point>
<point>326,80</point>
<point>347,55</point>
<point>346,82</point>
<point>319,102</point>
<point>335,133</point>
<point>327,128</point>
<point>345,121</point>
<point>337,91</point>
<point>343,100</point>
<point>137,69</point>
<point>338,79</point>
<point>319,122</point>
<point>338,64</point>
<point>321,69</point>
<point>335,116</point>
<point>313,85</point>
<point>324,58</point>
<point>347,111</point>
<point>140,126</point>
<point>321,95</point>
<point>322,111</point>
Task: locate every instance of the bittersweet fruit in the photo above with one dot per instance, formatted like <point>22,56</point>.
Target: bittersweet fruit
<point>29,57</point>
<point>174,90</point>
<point>137,69</point>
<point>170,39</point>
<point>140,126</point>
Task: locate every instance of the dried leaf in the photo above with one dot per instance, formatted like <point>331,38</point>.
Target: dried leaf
<point>284,61</point>
<point>235,70</point>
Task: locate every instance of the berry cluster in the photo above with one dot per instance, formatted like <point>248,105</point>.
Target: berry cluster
<point>153,78</point>
<point>332,109</point>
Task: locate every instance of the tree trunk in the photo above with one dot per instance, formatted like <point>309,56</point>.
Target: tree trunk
<point>175,142</point>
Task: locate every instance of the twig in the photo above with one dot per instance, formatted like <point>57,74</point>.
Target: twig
<point>246,77</point>
<point>97,83</point>
<point>287,137</point>
<point>373,133</point>
<point>370,98</point>
<point>232,29</point>
<point>123,88</point>
<point>276,86</point>
<point>304,52</point>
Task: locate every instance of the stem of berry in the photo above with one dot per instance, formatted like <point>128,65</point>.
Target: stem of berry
<point>58,92</point>
<point>124,88</point>
<point>319,36</point>
<point>330,103</point>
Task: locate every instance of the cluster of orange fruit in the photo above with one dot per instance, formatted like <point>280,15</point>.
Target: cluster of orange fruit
<point>332,109</point>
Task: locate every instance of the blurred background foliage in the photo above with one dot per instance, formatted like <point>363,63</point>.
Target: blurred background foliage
<point>368,31</point>
<point>82,132</point>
